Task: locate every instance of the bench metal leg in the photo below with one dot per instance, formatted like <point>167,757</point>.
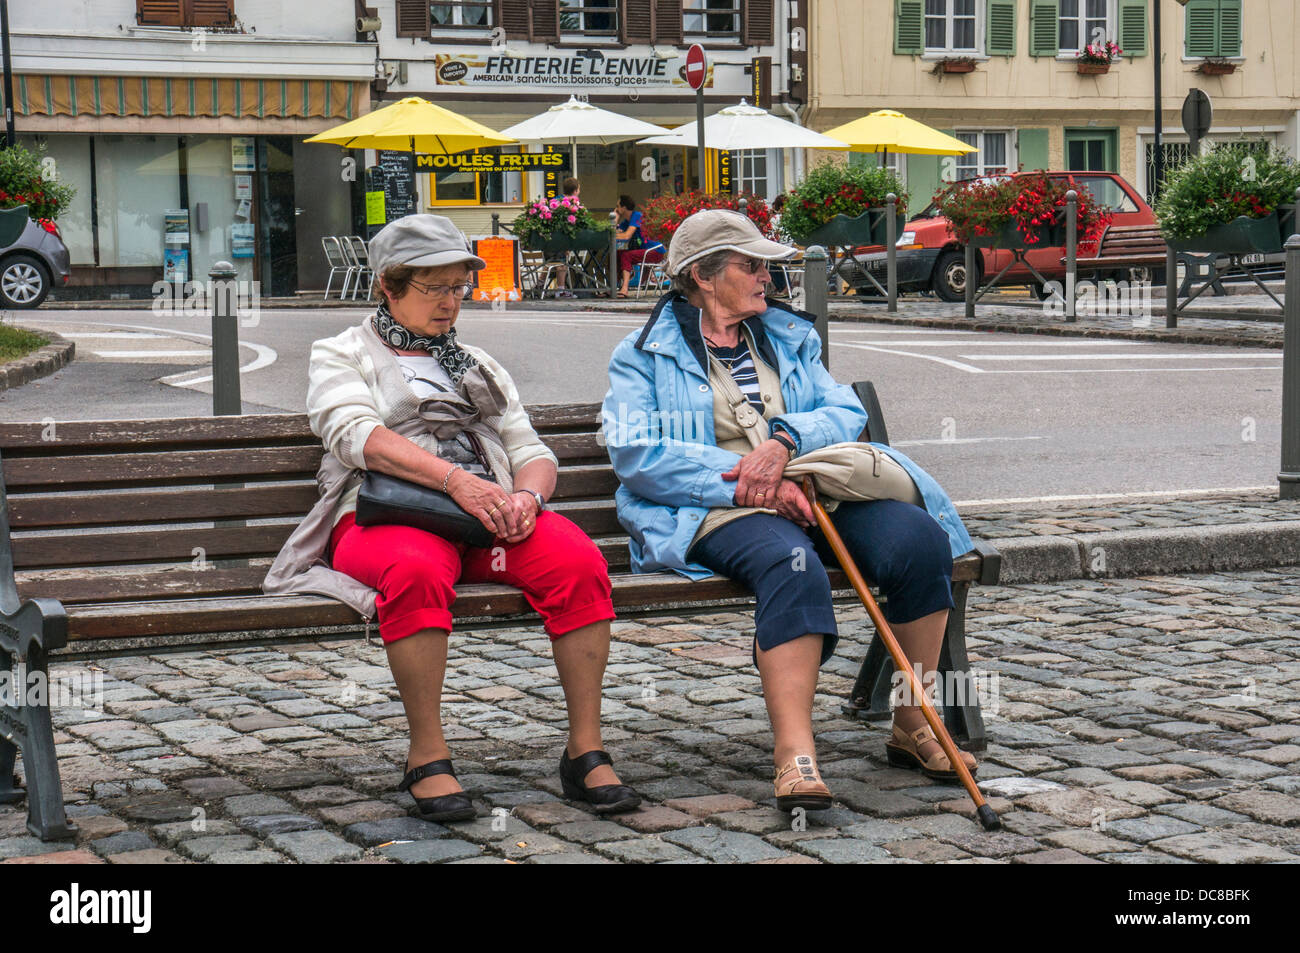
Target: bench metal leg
<point>28,728</point>
<point>870,701</point>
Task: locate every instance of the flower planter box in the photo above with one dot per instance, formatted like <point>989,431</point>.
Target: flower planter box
<point>12,223</point>
<point>1216,69</point>
<point>587,239</point>
<point>957,66</point>
<point>1010,237</point>
<point>1092,69</point>
<point>866,229</point>
<point>1242,236</point>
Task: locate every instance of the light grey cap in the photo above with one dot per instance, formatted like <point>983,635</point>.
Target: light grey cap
<point>421,241</point>
<point>714,229</point>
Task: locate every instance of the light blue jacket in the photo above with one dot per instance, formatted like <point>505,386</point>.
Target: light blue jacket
<point>658,428</point>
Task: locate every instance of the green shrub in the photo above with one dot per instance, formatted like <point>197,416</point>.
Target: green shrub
<point>1232,180</point>
<point>22,183</point>
<point>834,188</point>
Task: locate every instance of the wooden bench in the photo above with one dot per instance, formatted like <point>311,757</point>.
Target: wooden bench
<point>1128,247</point>
<point>129,535</point>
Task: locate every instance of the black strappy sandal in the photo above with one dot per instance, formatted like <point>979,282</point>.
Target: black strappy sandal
<point>446,807</point>
<point>607,798</point>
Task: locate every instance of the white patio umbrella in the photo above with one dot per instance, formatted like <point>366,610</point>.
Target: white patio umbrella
<point>746,127</point>
<point>577,122</point>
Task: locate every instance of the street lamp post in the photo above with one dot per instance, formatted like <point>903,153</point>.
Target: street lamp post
<point>1158,168</point>
<point>9,75</point>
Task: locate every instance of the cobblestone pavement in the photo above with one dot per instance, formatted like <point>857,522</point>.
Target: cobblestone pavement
<point>1149,720</point>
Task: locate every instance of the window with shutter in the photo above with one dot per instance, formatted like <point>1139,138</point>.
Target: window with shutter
<point>1133,27</point>
<point>513,17</point>
<point>909,26</point>
<point>210,12</point>
<point>1202,28</point>
<point>160,12</point>
<point>635,24</point>
<point>1000,38</point>
<point>1229,27</point>
<point>413,18</point>
<point>668,21</point>
<point>758,25</point>
<point>546,21</point>
<point>1044,16</point>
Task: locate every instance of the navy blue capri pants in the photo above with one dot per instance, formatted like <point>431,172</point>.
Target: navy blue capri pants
<point>898,546</point>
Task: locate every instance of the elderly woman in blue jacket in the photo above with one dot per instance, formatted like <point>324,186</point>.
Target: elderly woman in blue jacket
<point>696,498</point>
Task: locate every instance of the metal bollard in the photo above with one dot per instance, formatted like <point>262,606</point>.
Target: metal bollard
<point>1071,254</point>
<point>891,250</point>
<point>970,281</point>
<point>225,340</point>
<point>814,300</point>
<point>614,277</point>
<point>1288,479</point>
<point>496,223</point>
<point>744,205</point>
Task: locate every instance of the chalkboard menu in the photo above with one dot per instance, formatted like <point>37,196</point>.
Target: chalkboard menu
<point>399,184</point>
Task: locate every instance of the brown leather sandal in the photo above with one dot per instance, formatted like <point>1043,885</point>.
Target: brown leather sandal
<point>903,751</point>
<point>798,784</point>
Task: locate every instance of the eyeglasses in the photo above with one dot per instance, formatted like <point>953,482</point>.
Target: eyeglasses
<point>437,291</point>
<point>751,265</point>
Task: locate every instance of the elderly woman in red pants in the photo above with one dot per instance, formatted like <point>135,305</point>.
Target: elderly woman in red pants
<point>400,395</point>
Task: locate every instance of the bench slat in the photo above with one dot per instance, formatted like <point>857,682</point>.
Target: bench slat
<point>154,468</point>
<point>191,504</point>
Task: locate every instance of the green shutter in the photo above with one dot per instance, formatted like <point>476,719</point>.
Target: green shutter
<point>1229,27</point>
<point>1000,36</point>
<point>1031,149</point>
<point>1202,28</point>
<point>1044,27</point>
<point>909,26</point>
<point>1133,27</point>
<point>922,180</point>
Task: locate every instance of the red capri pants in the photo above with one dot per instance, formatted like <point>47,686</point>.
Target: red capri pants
<point>562,574</point>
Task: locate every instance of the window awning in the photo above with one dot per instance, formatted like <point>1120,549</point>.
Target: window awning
<point>36,95</point>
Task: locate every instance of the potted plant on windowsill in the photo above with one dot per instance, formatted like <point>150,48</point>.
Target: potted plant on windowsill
<point>1216,66</point>
<point>560,225</point>
<point>1234,201</point>
<point>955,64</point>
<point>841,205</point>
<point>1096,58</point>
<point>1018,212</point>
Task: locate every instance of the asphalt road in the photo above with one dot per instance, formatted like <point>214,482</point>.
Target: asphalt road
<point>992,416</point>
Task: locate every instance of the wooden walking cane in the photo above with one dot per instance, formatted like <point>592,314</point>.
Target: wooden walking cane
<point>985,813</point>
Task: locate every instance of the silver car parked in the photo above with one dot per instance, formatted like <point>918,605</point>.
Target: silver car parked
<point>31,266</point>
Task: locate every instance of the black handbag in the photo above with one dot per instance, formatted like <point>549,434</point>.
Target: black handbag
<point>386,500</point>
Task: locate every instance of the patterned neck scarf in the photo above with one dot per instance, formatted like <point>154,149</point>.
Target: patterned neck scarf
<point>453,358</point>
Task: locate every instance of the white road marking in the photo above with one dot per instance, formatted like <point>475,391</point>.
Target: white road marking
<point>1053,343</point>
<point>1119,357</point>
<point>135,335</point>
<point>968,368</point>
<point>125,354</point>
<point>1132,370</point>
<point>940,440</point>
<point>1139,494</point>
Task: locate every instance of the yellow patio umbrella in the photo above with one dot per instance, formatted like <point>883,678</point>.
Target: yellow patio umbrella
<point>413,125</point>
<point>887,130</point>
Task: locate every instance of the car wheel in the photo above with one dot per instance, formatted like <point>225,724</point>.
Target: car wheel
<point>24,282</point>
<point>949,281</point>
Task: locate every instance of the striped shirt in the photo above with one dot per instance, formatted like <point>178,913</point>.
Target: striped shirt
<point>740,362</point>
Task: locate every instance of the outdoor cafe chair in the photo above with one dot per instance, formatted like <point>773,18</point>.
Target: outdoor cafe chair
<point>338,261</point>
<point>358,256</point>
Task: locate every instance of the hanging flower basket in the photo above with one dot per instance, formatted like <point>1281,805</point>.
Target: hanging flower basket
<point>869,228</point>
<point>1009,236</point>
<point>1092,69</point>
<point>1023,211</point>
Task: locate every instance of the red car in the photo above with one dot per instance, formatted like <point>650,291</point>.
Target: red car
<point>931,258</point>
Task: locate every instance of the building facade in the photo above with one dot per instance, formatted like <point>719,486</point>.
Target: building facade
<point>181,125</point>
<point>503,61</point>
<point>1025,104</point>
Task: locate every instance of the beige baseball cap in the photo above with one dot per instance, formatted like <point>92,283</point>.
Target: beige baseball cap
<point>715,229</point>
<point>421,241</point>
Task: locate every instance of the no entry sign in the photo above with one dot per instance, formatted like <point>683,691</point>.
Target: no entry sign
<point>696,66</point>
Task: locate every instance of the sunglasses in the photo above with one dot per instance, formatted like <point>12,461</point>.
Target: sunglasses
<point>751,265</point>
